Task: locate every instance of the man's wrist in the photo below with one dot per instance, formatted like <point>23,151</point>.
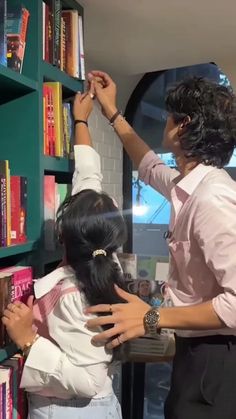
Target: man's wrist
<point>109,112</point>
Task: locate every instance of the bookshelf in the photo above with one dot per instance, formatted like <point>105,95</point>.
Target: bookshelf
<point>21,115</point>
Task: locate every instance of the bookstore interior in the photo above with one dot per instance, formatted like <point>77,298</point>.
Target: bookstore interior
<point>41,68</point>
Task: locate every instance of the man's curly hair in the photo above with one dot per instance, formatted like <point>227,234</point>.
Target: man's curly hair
<point>210,136</point>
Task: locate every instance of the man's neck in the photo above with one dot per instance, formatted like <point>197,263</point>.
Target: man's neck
<point>185,166</point>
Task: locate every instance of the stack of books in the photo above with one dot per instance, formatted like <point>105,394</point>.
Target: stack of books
<point>14,20</point>
<point>63,44</point>
<point>58,122</point>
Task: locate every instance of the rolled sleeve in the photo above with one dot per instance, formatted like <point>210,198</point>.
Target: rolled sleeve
<point>87,174</point>
<point>154,172</point>
<point>216,231</point>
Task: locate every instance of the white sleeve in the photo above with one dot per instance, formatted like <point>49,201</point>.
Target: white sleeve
<point>87,173</point>
<point>72,363</point>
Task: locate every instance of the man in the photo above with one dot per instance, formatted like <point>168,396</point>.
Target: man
<point>201,133</point>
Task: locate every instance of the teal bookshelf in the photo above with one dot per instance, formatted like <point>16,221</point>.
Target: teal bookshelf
<point>21,115</point>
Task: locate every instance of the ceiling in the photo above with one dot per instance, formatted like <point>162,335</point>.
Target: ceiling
<point>131,37</point>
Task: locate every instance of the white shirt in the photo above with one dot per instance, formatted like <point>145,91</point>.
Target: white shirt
<point>73,367</point>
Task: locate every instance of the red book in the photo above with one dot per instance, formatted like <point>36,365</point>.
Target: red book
<point>15,209</point>
<point>18,394</point>
<point>6,378</point>
<point>21,282</point>
<point>46,120</point>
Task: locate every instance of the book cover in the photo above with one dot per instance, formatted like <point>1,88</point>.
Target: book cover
<point>49,212</point>
<point>63,45</point>
<point>58,117</point>
<point>5,203</point>
<point>6,377</point>
<point>18,209</point>
<point>17,25</point>
<point>146,267</point>
<point>57,33</point>
<point>5,299</point>
<point>3,37</point>
<point>3,386</point>
<point>128,263</point>
<point>47,34</point>
<point>71,19</point>
<point>3,214</point>
<point>18,395</point>
<point>21,282</point>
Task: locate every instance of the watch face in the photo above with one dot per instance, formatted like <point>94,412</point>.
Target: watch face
<point>152,318</point>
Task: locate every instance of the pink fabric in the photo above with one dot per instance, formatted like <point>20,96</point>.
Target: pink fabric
<point>44,305</point>
<point>202,241</point>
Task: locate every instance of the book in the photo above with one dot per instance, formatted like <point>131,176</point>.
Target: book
<point>5,203</point>
<point>18,394</point>
<point>6,378</point>
<point>21,282</point>
<point>71,19</point>
<point>3,34</point>
<point>5,299</point>
<point>18,209</point>
<point>49,212</point>
<point>56,60</point>
<point>56,89</point>
<point>17,25</point>
<point>81,50</point>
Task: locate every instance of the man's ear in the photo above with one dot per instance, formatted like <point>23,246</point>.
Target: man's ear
<point>182,127</point>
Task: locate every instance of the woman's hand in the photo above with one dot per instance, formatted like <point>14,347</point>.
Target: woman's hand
<point>127,319</point>
<point>83,104</point>
<point>105,90</point>
<point>18,319</point>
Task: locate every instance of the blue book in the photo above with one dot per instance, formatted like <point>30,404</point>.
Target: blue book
<point>3,33</point>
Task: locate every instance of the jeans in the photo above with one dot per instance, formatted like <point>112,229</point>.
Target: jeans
<point>52,408</point>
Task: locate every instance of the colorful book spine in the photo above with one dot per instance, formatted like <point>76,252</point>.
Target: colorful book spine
<point>3,35</point>
<point>5,203</point>
<point>18,209</point>
<point>58,116</point>
<point>17,25</point>
<point>71,18</point>
<point>56,32</point>
<point>6,378</point>
<point>49,212</point>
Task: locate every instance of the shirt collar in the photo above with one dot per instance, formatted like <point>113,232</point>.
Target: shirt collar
<point>190,182</point>
<point>45,284</point>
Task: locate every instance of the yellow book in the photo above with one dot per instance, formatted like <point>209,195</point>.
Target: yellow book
<point>58,117</point>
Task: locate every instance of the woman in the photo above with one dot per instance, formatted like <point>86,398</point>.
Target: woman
<point>65,375</point>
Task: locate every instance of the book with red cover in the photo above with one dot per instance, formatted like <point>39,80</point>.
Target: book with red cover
<point>21,282</point>
<point>18,394</point>
<point>6,378</point>
<point>18,210</point>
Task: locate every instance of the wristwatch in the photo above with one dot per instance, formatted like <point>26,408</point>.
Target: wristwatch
<point>151,321</point>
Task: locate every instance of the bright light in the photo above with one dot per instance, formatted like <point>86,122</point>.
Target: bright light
<point>140,210</point>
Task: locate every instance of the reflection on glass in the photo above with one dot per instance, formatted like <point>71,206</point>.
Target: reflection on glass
<point>157,378</point>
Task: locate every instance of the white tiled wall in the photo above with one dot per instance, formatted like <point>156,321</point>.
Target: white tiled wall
<point>108,145</point>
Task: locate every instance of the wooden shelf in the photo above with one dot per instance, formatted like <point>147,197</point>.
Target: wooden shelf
<point>14,85</point>
<point>57,164</point>
<point>16,249</point>
<point>8,351</point>
<point>70,85</point>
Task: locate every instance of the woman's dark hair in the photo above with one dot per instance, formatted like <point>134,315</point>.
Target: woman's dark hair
<point>86,222</point>
<point>210,136</point>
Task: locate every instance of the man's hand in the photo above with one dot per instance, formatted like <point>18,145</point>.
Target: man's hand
<point>127,319</point>
<point>105,90</point>
<point>18,319</point>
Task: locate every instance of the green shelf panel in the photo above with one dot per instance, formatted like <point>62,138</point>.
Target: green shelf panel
<point>58,164</point>
<point>70,85</point>
<point>16,249</point>
<point>8,351</point>
<point>14,85</point>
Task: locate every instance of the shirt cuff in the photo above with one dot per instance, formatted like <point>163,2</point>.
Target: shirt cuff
<point>147,162</point>
<point>44,356</point>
